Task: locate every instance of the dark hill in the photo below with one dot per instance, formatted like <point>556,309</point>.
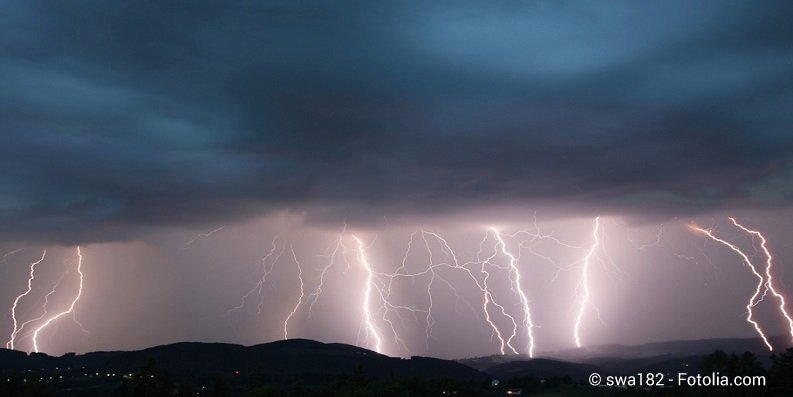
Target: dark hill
<point>294,358</point>
<point>680,348</point>
<point>543,369</point>
<point>625,359</point>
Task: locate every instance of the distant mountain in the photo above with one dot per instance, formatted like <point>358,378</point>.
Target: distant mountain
<point>283,359</point>
<point>286,364</point>
<point>542,368</point>
<point>674,348</point>
<point>664,363</point>
<point>665,357</point>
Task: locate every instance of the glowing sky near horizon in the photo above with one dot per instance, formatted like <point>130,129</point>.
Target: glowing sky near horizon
<point>156,291</point>
<point>179,146</point>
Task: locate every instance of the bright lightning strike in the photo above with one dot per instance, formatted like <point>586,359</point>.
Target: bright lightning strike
<point>367,316</point>
<point>769,284</point>
<point>584,283</point>
<point>70,310</point>
<point>454,264</point>
<point>754,298</point>
<point>302,293</point>
<point>10,343</point>
<point>44,306</point>
<point>487,298</point>
<point>515,277</point>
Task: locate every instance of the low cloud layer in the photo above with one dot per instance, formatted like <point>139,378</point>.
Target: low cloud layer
<point>117,117</point>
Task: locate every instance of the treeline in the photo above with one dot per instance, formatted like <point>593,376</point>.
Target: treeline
<point>151,381</point>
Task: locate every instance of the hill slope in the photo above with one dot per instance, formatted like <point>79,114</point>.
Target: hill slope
<point>291,358</point>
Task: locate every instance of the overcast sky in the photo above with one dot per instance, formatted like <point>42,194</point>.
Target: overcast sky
<point>131,128</point>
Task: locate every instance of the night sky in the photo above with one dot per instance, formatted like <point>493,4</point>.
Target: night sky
<point>191,148</point>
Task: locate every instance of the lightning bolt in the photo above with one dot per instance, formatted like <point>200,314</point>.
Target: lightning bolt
<point>334,249</point>
<point>401,271</point>
<point>515,277</point>
<point>484,288</point>
<point>266,268</point>
<point>383,318</point>
<point>448,253</point>
<point>371,330</point>
<point>753,300</point>
<point>46,303</point>
<point>70,310</point>
<point>7,254</point>
<point>385,289</point>
<point>10,343</point>
<point>483,262</point>
<point>487,299</point>
<point>769,284</point>
<point>201,235</point>
<point>584,283</point>
<point>302,293</point>
<point>429,320</point>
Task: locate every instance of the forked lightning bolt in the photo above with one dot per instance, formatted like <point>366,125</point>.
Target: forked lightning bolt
<point>336,245</point>
<point>302,293</point>
<point>754,298</point>
<point>450,262</point>
<point>44,306</point>
<point>10,343</point>
<point>769,283</point>
<point>499,255</point>
<point>487,299</point>
<point>516,285</point>
<point>381,316</point>
<point>267,266</point>
<point>584,283</point>
<point>70,310</point>
<point>371,329</point>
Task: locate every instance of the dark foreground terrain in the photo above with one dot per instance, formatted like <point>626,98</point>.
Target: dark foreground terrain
<point>309,368</point>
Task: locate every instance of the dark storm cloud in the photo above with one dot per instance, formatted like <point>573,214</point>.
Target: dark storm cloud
<point>122,115</point>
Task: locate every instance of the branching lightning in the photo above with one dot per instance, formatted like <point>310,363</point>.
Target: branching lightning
<point>15,331</point>
<point>753,300</point>
<point>371,329</point>
<point>385,319</point>
<point>484,289</point>
<point>70,310</point>
<point>584,283</point>
<point>336,245</point>
<point>44,306</point>
<point>516,285</point>
<point>769,283</point>
<point>202,235</point>
<point>487,298</point>
<point>382,317</point>
<point>302,293</point>
<point>478,271</point>
<point>267,266</point>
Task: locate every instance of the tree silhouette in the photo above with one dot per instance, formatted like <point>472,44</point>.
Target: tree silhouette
<point>781,374</point>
